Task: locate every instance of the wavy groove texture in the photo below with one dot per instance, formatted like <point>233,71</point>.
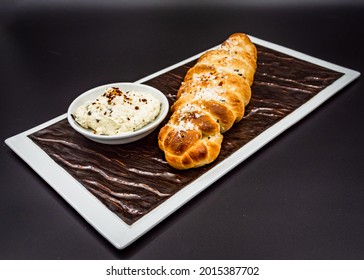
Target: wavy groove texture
<point>133,179</point>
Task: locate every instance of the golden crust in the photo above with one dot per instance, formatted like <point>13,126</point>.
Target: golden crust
<point>212,97</point>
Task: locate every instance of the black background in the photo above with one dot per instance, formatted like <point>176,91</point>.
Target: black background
<point>300,197</point>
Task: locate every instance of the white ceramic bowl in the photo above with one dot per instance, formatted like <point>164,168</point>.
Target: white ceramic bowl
<point>125,137</point>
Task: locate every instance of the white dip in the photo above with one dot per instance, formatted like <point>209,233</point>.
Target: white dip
<point>116,111</point>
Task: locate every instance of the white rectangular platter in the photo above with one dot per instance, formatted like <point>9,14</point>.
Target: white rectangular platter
<point>109,224</point>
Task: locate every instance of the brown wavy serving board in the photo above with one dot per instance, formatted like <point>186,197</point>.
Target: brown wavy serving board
<point>133,179</point>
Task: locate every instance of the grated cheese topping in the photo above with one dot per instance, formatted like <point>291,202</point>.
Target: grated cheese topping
<point>212,93</point>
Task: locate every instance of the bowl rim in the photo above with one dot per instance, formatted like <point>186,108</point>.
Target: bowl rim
<point>161,116</point>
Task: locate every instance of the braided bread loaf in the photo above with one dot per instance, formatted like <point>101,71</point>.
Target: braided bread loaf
<point>211,99</point>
